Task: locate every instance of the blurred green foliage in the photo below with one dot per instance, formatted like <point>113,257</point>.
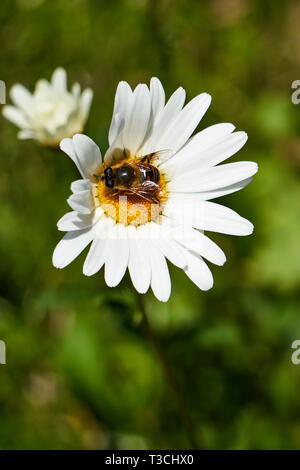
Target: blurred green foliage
<point>79,371</point>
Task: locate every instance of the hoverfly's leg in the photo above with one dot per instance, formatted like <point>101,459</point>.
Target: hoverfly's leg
<point>114,192</point>
<point>140,194</point>
<point>149,197</point>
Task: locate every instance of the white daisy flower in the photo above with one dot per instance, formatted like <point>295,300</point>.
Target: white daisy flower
<point>137,209</point>
<point>51,112</point>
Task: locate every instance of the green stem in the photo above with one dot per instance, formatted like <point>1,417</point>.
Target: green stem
<point>182,409</point>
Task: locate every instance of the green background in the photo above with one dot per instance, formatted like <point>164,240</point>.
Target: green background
<point>80,372</point>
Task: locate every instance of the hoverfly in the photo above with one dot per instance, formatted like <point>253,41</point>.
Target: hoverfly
<point>139,177</point>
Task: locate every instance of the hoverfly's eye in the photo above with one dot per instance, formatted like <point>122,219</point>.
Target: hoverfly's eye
<point>108,172</point>
<point>109,183</point>
<point>108,177</point>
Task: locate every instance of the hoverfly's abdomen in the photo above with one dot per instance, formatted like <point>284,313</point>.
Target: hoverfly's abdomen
<point>149,173</point>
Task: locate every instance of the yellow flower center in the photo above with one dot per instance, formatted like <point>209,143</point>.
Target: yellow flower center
<point>126,206</point>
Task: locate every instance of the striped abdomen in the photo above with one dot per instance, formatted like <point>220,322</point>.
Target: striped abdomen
<point>149,173</point>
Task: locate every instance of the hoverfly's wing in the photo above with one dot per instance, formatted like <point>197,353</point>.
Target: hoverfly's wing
<point>150,186</point>
<point>148,191</point>
<point>157,158</point>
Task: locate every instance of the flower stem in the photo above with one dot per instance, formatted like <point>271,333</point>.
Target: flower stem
<point>182,409</point>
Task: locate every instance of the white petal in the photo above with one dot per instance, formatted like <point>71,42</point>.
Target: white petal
<point>193,158</point>
<point>208,216</point>
<point>116,150</point>
<point>202,245</point>
<point>218,218</point>
<point>70,246</point>
<point>43,88</point>
<point>213,194</point>
<point>170,112</point>
<point>213,177</point>
<point>96,257</point>
<point>224,150</point>
<point>195,198</point>
<point>81,202</point>
<point>76,89</point>
<point>160,277</point>
<point>116,262</point>
<point>23,135</point>
<point>139,265</point>
<point>67,146</point>
<point>163,121</point>
<point>199,272</point>
<point>122,103</point>
<point>84,153</point>
<point>59,80</point>
<point>15,115</point>
<point>157,98</point>
<point>80,185</point>
<point>88,153</point>
<point>185,123</point>
<point>200,142</point>
<point>157,94</point>
<point>85,103</point>
<point>74,221</point>
<point>172,251</point>
<point>21,97</point>
<point>137,119</point>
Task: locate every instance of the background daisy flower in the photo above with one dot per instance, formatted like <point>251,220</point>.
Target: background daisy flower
<point>51,112</point>
<point>122,237</point>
